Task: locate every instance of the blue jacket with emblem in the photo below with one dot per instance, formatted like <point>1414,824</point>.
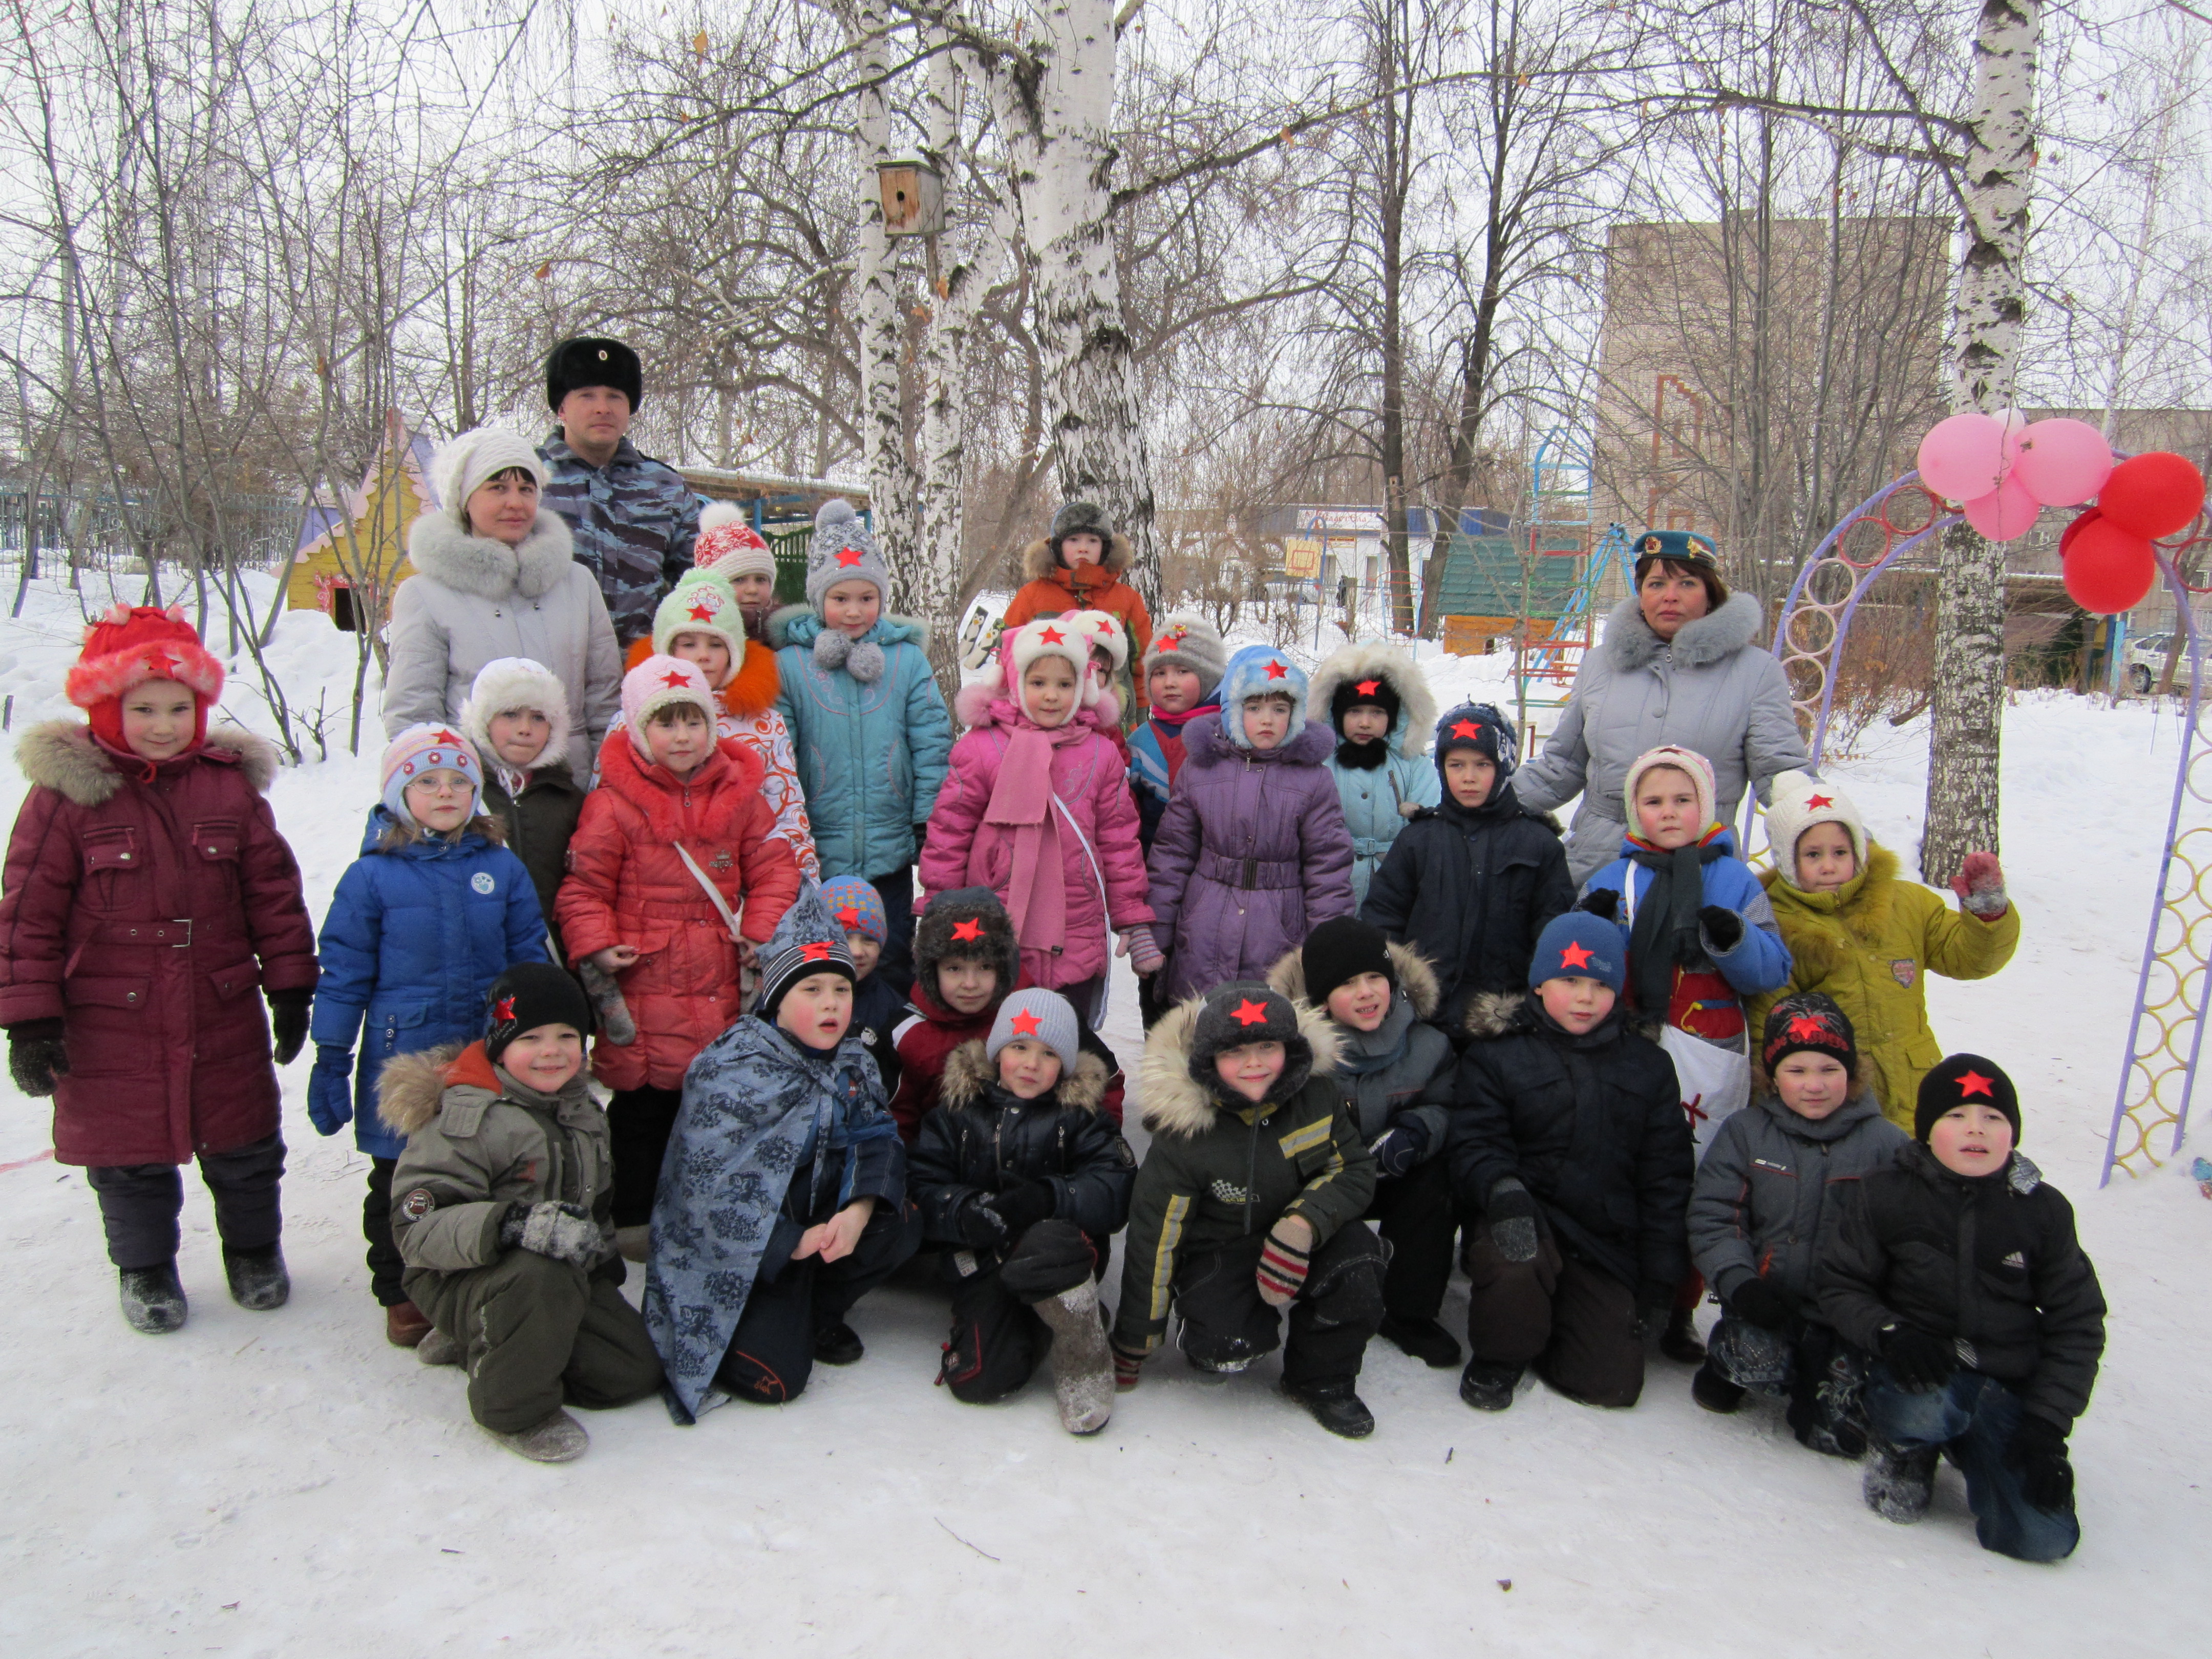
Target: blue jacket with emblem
<point>414,938</point>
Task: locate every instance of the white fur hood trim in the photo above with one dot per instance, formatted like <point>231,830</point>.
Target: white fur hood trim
<point>1417,703</point>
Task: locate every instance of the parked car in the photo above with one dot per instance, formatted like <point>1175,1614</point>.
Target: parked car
<point>2147,662</point>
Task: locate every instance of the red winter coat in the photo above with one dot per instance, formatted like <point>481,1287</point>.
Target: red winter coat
<point>626,885</point>
<point>147,912</point>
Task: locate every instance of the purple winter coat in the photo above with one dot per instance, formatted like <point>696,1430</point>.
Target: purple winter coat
<point>1251,854</point>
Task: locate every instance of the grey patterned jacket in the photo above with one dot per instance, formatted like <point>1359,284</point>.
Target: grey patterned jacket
<point>634,522</point>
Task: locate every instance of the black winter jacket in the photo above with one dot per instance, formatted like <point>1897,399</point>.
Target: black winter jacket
<point>1593,1125</point>
<point>1990,1261</point>
<point>540,823</point>
<point>1471,891</point>
<point>982,1138</point>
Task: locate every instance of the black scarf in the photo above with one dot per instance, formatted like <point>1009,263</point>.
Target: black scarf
<point>1363,756</point>
<point>1665,935</point>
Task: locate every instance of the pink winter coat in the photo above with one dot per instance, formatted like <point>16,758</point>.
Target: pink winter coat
<point>997,827</point>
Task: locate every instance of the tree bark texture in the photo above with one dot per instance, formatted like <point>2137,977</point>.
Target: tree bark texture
<point>892,485</point>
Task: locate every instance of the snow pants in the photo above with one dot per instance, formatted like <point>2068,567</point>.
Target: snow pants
<point>639,1123</point>
<point>1574,1322</point>
<point>139,1203</point>
<point>1822,1376</point>
<point>385,1266</point>
<point>1418,1217</point>
<point>998,1339</point>
<point>1226,1324</point>
<point>1973,1417</point>
<point>539,1334</point>
<point>770,1357</point>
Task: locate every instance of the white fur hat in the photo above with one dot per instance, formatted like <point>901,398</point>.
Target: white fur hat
<point>1102,631</point>
<point>462,462</point>
<point>1688,761</point>
<point>506,684</point>
<point>1801,801</point>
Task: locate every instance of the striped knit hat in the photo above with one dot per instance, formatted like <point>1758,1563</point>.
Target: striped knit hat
<point>807,941</point>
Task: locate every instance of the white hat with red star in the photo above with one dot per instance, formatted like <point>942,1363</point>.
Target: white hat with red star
<point>660,682</point>
<point>1802,801</point>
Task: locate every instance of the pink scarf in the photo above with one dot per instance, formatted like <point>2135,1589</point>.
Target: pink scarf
<point>1021,811</point>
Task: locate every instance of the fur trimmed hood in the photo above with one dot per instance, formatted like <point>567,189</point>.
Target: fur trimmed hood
<point>1629,644</point>
<point>1175,1102</point>
<point>1492,1014</point>
<point>1417,703</point>
<point>1205,744</point>
<point>1040,564</point>
<point>1416,979</point>
<point>440,549</point>
<point>970,1075</point>
<point>411,1088</point>
<point>61,756</point>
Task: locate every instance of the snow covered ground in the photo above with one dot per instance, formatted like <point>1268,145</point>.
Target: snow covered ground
<point>287,1483</point>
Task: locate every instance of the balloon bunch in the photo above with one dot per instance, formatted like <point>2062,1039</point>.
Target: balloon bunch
<point>2006,469</point>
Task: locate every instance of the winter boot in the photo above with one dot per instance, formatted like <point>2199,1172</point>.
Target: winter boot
<point>634,1244</point>
<point>436,1348</point>
<point>1899,1484</point>
<point>405,1325</point>
<point>1827,1410</point>
<point>258,1279</point>
<point>1082,1362</point>
<point>838,1344</point>
<point>154,1298</point>
<point>558,1438</point>
<point>1679,1341</point>
<point>1713,1391</point>
<point>1426,1340</point>
<point>1488,1386</point>
<point>1335,1405</point>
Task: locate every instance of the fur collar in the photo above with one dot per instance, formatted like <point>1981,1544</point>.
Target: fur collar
<point>753,689</point>
<point>969,1077</point>
<point>440,549</point>
<point>1416,705</point>
<point>61,756</point>
<point>1629,644</point>
<point>1038,563</point>
<point>1175,1103</point>
<point>1417,980</point>
<point>411,1087</point>
<point>1492,1013</point>
<point>1205,744</point>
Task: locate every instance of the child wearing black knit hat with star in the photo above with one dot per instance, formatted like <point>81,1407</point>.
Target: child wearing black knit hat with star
<point>1959,1269</point>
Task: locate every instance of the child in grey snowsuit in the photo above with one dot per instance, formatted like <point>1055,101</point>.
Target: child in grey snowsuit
<point>1764,1198</point>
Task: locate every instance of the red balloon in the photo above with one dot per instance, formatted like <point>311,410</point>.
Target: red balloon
<point>2151,495</point>
<point>2090,515</point>
<point>2107,569</point>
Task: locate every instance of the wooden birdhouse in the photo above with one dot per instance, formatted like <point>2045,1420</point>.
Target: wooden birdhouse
<point>913,196</point>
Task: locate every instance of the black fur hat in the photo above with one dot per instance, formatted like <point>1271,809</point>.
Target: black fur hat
<point>1245,1011</point>
<point>965,922</point>
<point>589,360</point>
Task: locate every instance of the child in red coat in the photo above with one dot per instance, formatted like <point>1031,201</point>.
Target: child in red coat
<point>148,894</point>
<point>674,811</point>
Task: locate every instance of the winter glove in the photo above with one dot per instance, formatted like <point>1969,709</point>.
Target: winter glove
<point>1512,1217</point>
<point>1655,1309</point>
<point>1142,949</point>
<point>1723,927</point>
<point>1755,1302</point>
<point>288,1023</point>
<point>2039,1452</point>
<point>1980,886</point>
<point>979,1226</point>
<point>1283,1268</point>
<point>330,1089</point>
<point>616,1025</point>
<point>37,1055</point>
<point>1400,1146</point>
<point>1919,1359</point>
<point>561,1232</point>
<point>1602,901</point>
<point>1020,1208</point>
<point>1128,1369</point>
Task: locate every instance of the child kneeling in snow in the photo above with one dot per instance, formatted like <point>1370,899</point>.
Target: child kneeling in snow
<point>877,1008</point>
<point>1019,1171</point>
<point>502,1212</point>
<point>1988,1360</point>
<point>1568,1141</point>
<point>784,1196</point>
<point>1249,1200</point>
<point>1765,1196</point>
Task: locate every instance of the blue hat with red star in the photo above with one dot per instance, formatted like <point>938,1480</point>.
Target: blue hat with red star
<point>1261,670</point>
<point>1579,945</point>
<point>1483,727</point>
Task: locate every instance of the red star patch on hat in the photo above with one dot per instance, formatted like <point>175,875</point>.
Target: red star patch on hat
<point>675,677</point>
<point>1816,802</point>
<point>814,953</point>
<point>970,932</point>
<point>1276,671</point>
<point>1973,1083</point>
<point>444,736</point>
<point>1807,1028</point>
<point>503,1010</point>
<point>1052,636</point>
<point>849,556</point>
<point>702,611</point>
<point>1249,1012</point>
<point>1026,1023</point>
<point>1574,955</point>
<point>1168,641</point>
<point>1105,625</point>
<point>1466,729</point>
<point>1368,688</point>
<point>848,917</point>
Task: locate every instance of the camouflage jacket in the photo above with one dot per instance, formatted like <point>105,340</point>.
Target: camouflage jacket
<point>634,522</point>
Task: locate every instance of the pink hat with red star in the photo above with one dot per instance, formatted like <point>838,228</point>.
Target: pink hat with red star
<point>433,746</point>
<point>660,682</point>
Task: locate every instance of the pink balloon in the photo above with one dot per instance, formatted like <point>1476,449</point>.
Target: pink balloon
<point>2063,463</point>
<point>1964,457</point>
<point>2006,512</point>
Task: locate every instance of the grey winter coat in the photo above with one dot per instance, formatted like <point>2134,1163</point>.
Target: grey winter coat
<point>1414,1077</point>
<point>1710,688</point>
<point>473,598</point>
<point>1764,1198</point>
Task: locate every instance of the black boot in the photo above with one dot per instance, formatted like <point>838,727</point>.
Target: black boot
<point>1335,1405</point>
<point>838,1344</point>
<point>1899,1484</point>
<point>154,1298</point>
<point>1679,1341</point>
<point>1426,1340</point>
<point>1713,1391</point>
<point>1488,1386</point>
<point>258,1279</point>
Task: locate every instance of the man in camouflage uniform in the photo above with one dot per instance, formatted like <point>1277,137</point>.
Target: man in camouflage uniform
<point>634,519</point>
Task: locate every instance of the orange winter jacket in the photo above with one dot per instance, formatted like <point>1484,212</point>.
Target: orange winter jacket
<point>1053,589</point>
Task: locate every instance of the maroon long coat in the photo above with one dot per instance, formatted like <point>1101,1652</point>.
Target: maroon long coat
<point>147,913</point>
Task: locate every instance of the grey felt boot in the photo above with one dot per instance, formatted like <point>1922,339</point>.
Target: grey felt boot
<point>557,1439</point>
<point>1082,1362</point>
<point>258,1281</point>
<point>154,1298</point>
<point>1899,1484</point>
<point>436,1348</point>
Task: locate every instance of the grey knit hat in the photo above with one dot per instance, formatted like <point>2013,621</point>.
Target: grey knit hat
<point>1046,1016</point>
<point>843,550</point>
<point>1188,639</point>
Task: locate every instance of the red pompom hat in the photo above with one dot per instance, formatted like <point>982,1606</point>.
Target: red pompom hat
<point>130,646</point>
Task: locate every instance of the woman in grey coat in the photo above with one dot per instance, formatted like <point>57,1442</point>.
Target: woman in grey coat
<point>494,576</point>
<point>1679,664</point>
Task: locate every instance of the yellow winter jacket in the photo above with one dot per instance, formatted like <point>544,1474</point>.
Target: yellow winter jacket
<point>1866,944</point>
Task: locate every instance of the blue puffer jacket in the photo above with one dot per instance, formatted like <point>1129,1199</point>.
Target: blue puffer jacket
<point>871,752</point>
<point>413,941</point>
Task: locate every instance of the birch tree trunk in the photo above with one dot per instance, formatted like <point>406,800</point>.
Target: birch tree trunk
<point>891,491</point>
<point>1986,317</point>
